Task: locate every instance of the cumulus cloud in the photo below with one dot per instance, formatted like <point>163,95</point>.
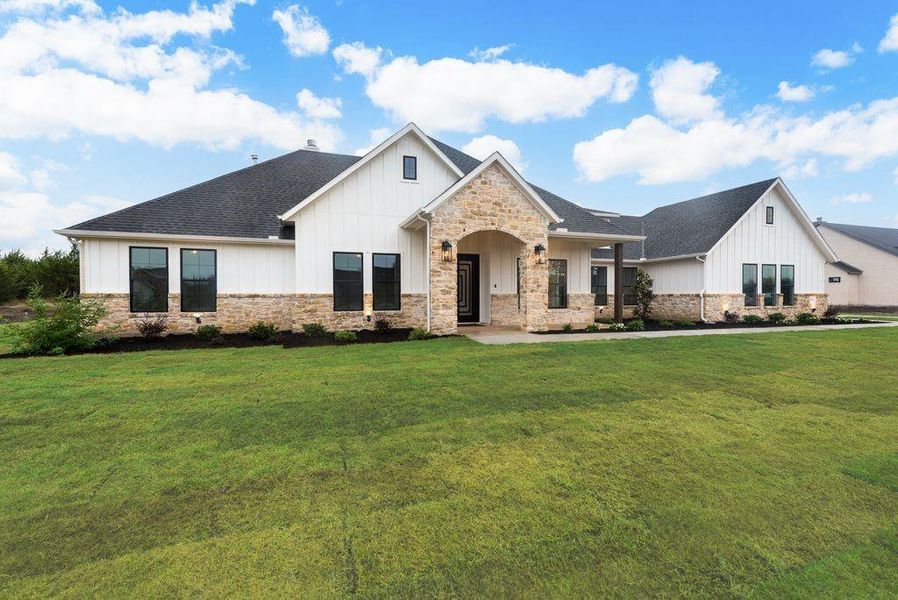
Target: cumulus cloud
<point>316,107</point>
<point>794,93</point>
<point>10,176</point>
<point>890,42</point>
<point>39,6</point>
<point>490,53</point>
<point>375,137</point>
<point>854,198</point>
<point>451,94</point>
<point>835,59</point>
<point>679,90</point>
<point>483,146</point>
<point>303,33</point>
<point>801,170</point>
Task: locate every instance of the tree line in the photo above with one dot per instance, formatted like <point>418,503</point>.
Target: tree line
<point>56,273</point>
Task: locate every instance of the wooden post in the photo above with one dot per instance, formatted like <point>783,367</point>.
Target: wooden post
<point>618,283</point>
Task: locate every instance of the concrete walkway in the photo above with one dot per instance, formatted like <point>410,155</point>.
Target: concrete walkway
<point>506,335</point>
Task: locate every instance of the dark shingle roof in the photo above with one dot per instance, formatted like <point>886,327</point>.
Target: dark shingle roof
<point>246,202</point>
<point>688,227</point>
<point>851,270</point>
<point>882,238</point>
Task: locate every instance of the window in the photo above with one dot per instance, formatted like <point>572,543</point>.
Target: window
<point>750,284</point>
<point>149,279</point>
<point>198,280</point>
<point>557,283</point>
<point>600,285</point>
<point>387,286</point>
<point>629,286</point>
<point>770,215</point>
<point>768,284</point>
<point>409,167</point>
<point>834,280</point>
<point>787,284</point>
<point>348,281</point>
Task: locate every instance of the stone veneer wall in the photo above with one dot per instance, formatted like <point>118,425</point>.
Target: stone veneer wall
<point>717,304</point>
<point>504,310</point>
<point>319,308</point>
<point>489,202</point>
<point>579,313</point>
<point>606,312</point>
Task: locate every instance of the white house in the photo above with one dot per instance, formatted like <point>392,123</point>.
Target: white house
<point>427,236</point>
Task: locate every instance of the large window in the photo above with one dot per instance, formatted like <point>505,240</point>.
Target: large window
<point>409,167</point>
<point>768,284</point>
<point>750,284</point>
<point>787,284</point>
<point>386,280</point>
<point>198,280</point>
<point>348,287</point>
<point>557,283</point>
<point>600,285</point>
<point>149,279</point>
<point>629,286</point>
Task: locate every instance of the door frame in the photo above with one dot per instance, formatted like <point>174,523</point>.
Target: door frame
<point>474,259</point>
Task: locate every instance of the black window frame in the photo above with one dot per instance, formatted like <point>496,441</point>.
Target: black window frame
<point>214,280</point>
<point>835,279</point>
<point>414,163</point>
<point>629,291</point>
<point>788,299</point>
<point>769,215</point>
<point>560,294</point>
<point>397,282</point>
<point>769,296</point>
<point>601,299</point>
<point>131,278</point>
<point>750,299</point>
<point>361,284</point>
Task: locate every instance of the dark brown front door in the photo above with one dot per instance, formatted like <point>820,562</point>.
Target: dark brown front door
<point>468,288</point>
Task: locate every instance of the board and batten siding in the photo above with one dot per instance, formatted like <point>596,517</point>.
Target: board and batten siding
<point>786,242</point>
<point>681,276</point>
<point>577,255</point>
<point>362,213</point>
<point>241,268</point>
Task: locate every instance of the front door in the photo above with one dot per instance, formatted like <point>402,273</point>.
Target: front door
<point>468,288</point>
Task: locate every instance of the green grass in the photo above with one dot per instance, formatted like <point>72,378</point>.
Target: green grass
<point>722,466</point>
<point>874,317</point>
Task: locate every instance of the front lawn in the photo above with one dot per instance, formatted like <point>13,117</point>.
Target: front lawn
<point>751,465</point>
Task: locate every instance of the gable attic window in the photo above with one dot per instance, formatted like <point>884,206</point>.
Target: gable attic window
<point>410,167</point>
<point>770,215</point>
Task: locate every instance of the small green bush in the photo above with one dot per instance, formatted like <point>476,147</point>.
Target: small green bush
<point>617,327</point>
<point>382,325</point>
<point>730,316</point>
<point>568,328</point>
<point>636,325</point>
<point>262,330</point>
<point>592,328</point>
<point>419,334</point>
<point>314,329</point>
<point>69,328</point>
<point>152,327</point>
<point>347,337</point>
<point>776,318</point>
<point>207,332</point>
<point>684,323</point>
<point>666,324</point>
<point>807,319</point>
<point>752,319</point>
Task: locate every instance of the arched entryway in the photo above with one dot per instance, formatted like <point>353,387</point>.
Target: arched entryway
<point>490,269</point>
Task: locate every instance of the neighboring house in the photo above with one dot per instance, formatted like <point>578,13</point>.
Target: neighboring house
<point>750,250</point>
<point>426,236</point>
<point>867,276</point>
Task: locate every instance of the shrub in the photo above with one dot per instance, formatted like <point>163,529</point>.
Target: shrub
<point>617,327</point>
<point>645,296</point>
<point>831,312</point>
<point>419,334</point>
<point>730,316</point>
<point>314,329</point>
<point>592,328</point>
<point>69,328</point>
<point>636,325</point>
<point>56,273</point>
<point>568,328</point>
<point>207,332</point>
<point>152,327</point>
<point>684,323</point>
<point>262,330</point>
<point>9,284</point>
<point>382,325</point>
<point>753,319</point>
<point>807,319</point>
<point>666,324</point>
<point>347,337</point>
<point>777,318</point>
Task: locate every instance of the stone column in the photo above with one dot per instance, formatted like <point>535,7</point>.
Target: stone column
<point>443,288</point>
<point>535,287</point>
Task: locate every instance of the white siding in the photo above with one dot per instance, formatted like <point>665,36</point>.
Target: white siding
<point>577,255</point>
<point>241,268</point>
<point>786,242</point>
<point>362,214</point>
<point>878,285</point>
<point>845,292</point>
<point>676,276</point>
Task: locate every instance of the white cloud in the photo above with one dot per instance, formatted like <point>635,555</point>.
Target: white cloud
<point>316,107</point>
<point>450,94</point>
<point>303,33</point>
<point>10,176</point>
<point>38,6</point>
<point>490,53</point>
<point>375,137</point>
<point>890,42</point>
<point>794,93</point>
<point>835,59</point>
<point>854,198</point>
<point>802,170</point>
<point>679,89</point>
<point>358,58</point>
<point>483,146</point>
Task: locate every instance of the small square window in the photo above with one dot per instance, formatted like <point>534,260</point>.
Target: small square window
<point>410,167</point>
<point>835,280</point>
<point>770,215</point>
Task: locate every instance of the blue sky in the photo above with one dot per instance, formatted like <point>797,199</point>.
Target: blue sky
<point>620,106</point>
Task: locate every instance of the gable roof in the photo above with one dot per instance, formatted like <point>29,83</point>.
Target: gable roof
<point>881,238</point>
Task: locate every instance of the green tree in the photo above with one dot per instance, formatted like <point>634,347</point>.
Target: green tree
<point>645,295</point>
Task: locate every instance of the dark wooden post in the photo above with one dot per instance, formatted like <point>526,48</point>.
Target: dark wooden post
<point>618,283</point>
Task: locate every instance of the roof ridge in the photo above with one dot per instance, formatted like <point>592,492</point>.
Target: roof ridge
<point>769,182</point>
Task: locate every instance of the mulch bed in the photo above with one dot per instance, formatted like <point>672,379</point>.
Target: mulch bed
<point>654,326</point>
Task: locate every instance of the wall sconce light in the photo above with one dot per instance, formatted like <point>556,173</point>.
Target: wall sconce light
<point>540,251</point>
<point>447,251</point>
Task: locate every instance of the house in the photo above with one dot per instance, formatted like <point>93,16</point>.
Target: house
<point>749,250</point>
<point>424,235</point>
<point>867,276</point>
